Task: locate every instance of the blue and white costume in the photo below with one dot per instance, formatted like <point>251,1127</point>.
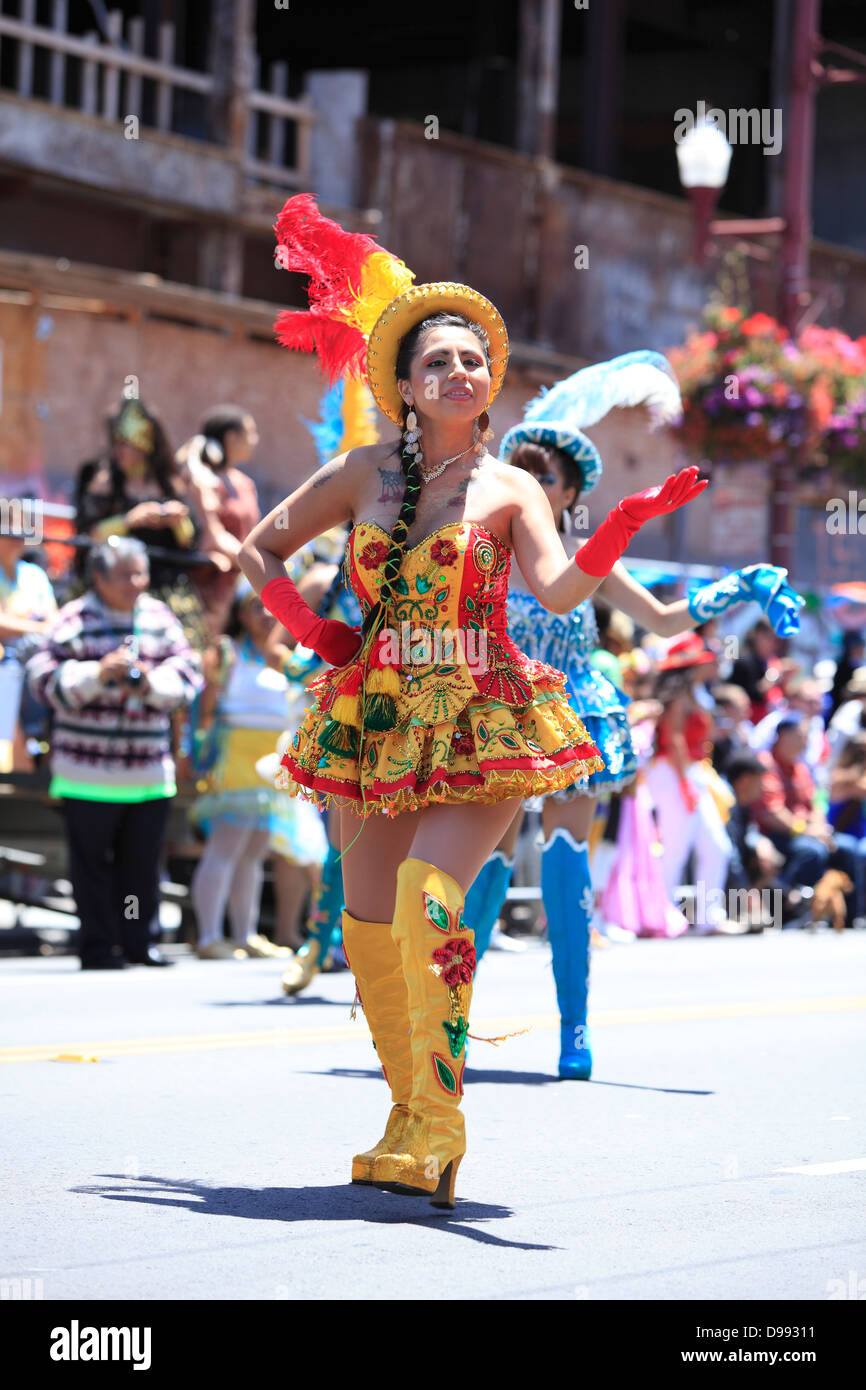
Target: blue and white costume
<point>567,641</point>
<point>556,419</point>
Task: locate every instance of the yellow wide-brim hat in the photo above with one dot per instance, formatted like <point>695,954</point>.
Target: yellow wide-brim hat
<point>417,303</point>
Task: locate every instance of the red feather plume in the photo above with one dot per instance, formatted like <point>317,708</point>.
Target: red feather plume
<point>320,248</point>
<point>341,347</point>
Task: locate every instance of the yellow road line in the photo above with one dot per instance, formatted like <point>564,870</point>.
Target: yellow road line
<point>355,1032</point>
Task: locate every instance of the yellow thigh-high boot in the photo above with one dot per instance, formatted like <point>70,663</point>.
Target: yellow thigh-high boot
<point>374,959</point>
<point>438,954</point>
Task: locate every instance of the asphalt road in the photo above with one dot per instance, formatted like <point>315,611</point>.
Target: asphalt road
<point>718,1151</point>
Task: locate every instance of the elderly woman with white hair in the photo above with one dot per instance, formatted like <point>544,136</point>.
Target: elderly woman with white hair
<point>114,666</point>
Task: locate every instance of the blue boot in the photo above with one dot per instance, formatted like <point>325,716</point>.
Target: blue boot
<point>486,897</point>
<point>330,909</point>
<point>325,916</point>
<point>566,888</point>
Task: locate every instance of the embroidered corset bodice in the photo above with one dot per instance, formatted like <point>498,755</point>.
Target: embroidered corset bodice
<point>449,620</point>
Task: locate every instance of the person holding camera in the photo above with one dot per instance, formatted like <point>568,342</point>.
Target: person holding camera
<point>113,667</point>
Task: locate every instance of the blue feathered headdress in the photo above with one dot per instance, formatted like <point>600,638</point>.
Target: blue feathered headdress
<point>327,431</point>
<point>559,416</point>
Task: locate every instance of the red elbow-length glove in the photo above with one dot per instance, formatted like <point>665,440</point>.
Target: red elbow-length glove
<point>333,641</point>
<point>604,548</point>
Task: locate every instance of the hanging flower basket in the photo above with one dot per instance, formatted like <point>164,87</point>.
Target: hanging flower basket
<point>749,391</point>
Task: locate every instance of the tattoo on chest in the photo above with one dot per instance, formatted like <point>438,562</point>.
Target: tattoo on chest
<point>392,484</point>
<point>458,497</point>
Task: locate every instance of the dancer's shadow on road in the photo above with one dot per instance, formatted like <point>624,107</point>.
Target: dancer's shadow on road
<point>281,1001</point>
<point>515,1078</point>
<point>339,1202</point>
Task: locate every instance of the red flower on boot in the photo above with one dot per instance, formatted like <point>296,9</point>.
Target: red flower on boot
<point>458,960</point>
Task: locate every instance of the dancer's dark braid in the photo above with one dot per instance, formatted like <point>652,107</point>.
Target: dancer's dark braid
<point>391,569</point>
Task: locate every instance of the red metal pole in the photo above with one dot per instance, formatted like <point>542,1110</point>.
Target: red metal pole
<point>798,145</point>
<point>703,201</point>
<point>548,78</point>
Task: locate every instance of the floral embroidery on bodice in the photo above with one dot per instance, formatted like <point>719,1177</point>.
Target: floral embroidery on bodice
<point>455,579</point>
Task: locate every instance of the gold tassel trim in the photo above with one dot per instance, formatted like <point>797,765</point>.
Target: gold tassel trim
<point>382,681</point>
<point>346,709</point>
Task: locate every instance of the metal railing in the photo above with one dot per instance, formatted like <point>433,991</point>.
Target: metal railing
<point>84,73</point>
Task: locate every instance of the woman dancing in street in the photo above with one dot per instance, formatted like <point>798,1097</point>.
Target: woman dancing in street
<point>550,444</point>
<point>447,737</point>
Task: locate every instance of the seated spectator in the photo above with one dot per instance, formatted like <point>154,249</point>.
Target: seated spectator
<point>135,490</point>
<point>757,668</point>
<point>26,603</point>
<point>788,816</point>
<point>755,861</point>
<point>733,727</point>
<point>851,657</point>
<point>850,717</point>
<point>800,696</point>
<point>113,667</point>
<point>847,810</point>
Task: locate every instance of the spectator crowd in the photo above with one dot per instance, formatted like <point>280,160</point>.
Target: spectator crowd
<point>150,661</point>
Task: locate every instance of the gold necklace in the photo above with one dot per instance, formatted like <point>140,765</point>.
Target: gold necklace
<point>434,473</point>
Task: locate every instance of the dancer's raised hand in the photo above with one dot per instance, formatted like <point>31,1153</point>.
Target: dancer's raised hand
<point>604,548</point>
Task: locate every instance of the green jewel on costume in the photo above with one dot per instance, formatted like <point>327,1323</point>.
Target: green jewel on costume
<point>456,1035</point>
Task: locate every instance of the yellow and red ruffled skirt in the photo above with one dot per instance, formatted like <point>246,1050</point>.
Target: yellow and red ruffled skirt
<point>451,743</point>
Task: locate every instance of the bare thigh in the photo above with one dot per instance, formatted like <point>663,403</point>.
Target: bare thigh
<point>460,837</point>
<point>370,865</point>
<point>508,841</point>
<point>575,816</point>
<point>457,838</point>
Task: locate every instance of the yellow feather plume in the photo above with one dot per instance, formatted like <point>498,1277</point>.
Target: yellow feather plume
<point>383,278</point>
<point>359,415</point>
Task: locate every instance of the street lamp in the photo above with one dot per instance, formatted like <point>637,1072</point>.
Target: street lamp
<point>703,158</point>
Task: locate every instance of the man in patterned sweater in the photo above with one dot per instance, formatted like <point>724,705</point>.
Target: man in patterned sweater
<point>113,667</point>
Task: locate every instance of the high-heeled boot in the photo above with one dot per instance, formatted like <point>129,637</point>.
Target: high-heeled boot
<point>374,959</point>
<point>438,957</point>
<point>486,897</point>
<point>327,906</point>
<point>566,888</point>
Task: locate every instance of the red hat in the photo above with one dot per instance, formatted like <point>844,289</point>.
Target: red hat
<point>686,651</point>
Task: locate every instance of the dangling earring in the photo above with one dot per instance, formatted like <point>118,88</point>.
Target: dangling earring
<point>411,435</point>
<point>481,431</point>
